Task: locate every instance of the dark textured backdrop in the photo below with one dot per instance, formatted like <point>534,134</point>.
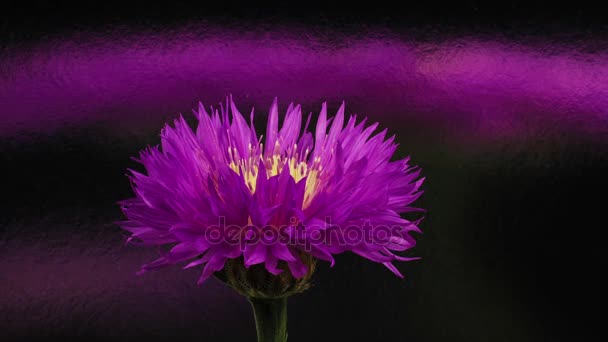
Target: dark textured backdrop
<point>505,109</point>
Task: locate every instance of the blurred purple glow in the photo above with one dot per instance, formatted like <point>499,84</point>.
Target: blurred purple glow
<point>487,87</point>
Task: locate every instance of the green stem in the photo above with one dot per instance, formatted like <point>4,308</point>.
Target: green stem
<point>270,319</point>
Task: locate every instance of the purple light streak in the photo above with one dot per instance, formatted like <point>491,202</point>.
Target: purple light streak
<point>488,88</point>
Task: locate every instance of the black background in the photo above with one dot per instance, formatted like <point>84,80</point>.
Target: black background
<point>23,20</point>
<point>513,248</point>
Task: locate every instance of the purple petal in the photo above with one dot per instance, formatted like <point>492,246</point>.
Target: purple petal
<point>255,254</point>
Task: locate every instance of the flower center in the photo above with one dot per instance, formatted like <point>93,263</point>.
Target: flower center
<point>299,168</point>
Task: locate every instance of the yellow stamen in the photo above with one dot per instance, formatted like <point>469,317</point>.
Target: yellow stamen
<point>298,168</point>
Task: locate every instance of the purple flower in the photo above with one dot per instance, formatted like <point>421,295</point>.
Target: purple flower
<point>224,192</point>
